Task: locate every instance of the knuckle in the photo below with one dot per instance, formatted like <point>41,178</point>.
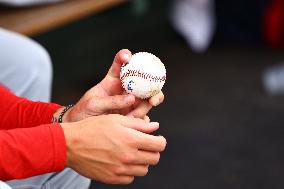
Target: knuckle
<point>147,118</point>
<point>127,158</point>
<point>129,180</point>
<point>162,97</point>
<point>145,171</point>
<point>163,144</point>
<point>119,170</point>
<point>111,180</point>
<point>91,105</point>
<point>133,141</point>
<point>119,180</point>
<point>116,102</point>
<point>156,159</point>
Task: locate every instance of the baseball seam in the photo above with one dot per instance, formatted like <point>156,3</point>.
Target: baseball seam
<point>144,75</point>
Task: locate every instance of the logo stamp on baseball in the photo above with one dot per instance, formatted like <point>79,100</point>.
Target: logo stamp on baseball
<point>143,76</point>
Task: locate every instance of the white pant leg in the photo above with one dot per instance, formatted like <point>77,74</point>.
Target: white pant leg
<point>25,68</point>
<point>66,179</point>
<point>4,186</point>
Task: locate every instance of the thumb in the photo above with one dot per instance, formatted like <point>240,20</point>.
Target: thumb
<point>115,102</point>
<point>121,57</point>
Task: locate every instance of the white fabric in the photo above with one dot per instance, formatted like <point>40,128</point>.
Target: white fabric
<point>4,186</point>
<point>27,2</point>
<point>273,79</point>
<point>25,68</point>
<point>195,21</point>
<point>66,179</point>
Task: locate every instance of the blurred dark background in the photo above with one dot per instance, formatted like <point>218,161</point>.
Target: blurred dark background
<point>223,129</point>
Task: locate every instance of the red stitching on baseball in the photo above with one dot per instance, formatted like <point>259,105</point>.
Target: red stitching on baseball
<point>138,73</point>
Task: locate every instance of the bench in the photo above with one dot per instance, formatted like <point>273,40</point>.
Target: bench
<point>35,20</point>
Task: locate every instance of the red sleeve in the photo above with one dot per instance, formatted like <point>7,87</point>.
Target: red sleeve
<point>17,112</point>
<point>31,151</point>
<point>27,149</point>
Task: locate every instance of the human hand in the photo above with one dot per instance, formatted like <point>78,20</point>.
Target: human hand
<point>108,97</point>
<point>112,148</point>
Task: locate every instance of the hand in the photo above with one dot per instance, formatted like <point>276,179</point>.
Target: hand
<point>108,97</point>
<point>112,148</point>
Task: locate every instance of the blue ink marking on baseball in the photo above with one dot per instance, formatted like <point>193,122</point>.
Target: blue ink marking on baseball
<point>130,85</point>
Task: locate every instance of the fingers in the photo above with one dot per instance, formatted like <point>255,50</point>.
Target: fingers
<point>141,110</point>
<point>146,158</point>
<point>132,170</point>
<point>114,102</point>
<point>151,143</point>
<point>147,119</point>
<point>138,170</point>
<point>138,165</point>
<point>152,126</point>
<point>123,180</point>
<point>144,106</point>
<point>139,124</point>
<point>141,139</point>
<point>121,57</point>
<point>157,99</point>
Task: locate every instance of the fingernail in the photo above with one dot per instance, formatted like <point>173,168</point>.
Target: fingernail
<point>156,102</point>
<point>126,57</point>
<point>154,124</point>
<point>128,99</point>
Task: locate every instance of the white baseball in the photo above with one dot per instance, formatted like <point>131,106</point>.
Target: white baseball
<point>143,76</point>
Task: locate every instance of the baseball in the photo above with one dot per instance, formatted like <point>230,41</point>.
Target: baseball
<point>143,76</point>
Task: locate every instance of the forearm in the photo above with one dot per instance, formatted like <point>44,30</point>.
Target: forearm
<point>31,151</point>
<point>19,112</point>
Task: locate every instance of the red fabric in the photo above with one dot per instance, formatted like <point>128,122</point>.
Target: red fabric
<point>19,112</point>
<point>29,144</point>
<point>274,23</point>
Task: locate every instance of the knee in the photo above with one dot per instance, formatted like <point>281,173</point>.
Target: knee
<point>36,74</point>
<point>23,57</point>
<point>35,65</point>
<point>40,65</point>
<point>25,65</point>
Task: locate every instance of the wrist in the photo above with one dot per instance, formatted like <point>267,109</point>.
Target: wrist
<point>56,115</point>
<point>69,137</point>
<point>62,115</point>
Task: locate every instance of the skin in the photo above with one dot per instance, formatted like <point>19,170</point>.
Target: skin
<point>114,148</point>
<point>108,133</point>
<point>108,97</point>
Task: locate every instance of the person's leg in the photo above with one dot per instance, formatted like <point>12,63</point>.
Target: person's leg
<point>25,68</point>
<point>66,179</point>
<point>3,185</point>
